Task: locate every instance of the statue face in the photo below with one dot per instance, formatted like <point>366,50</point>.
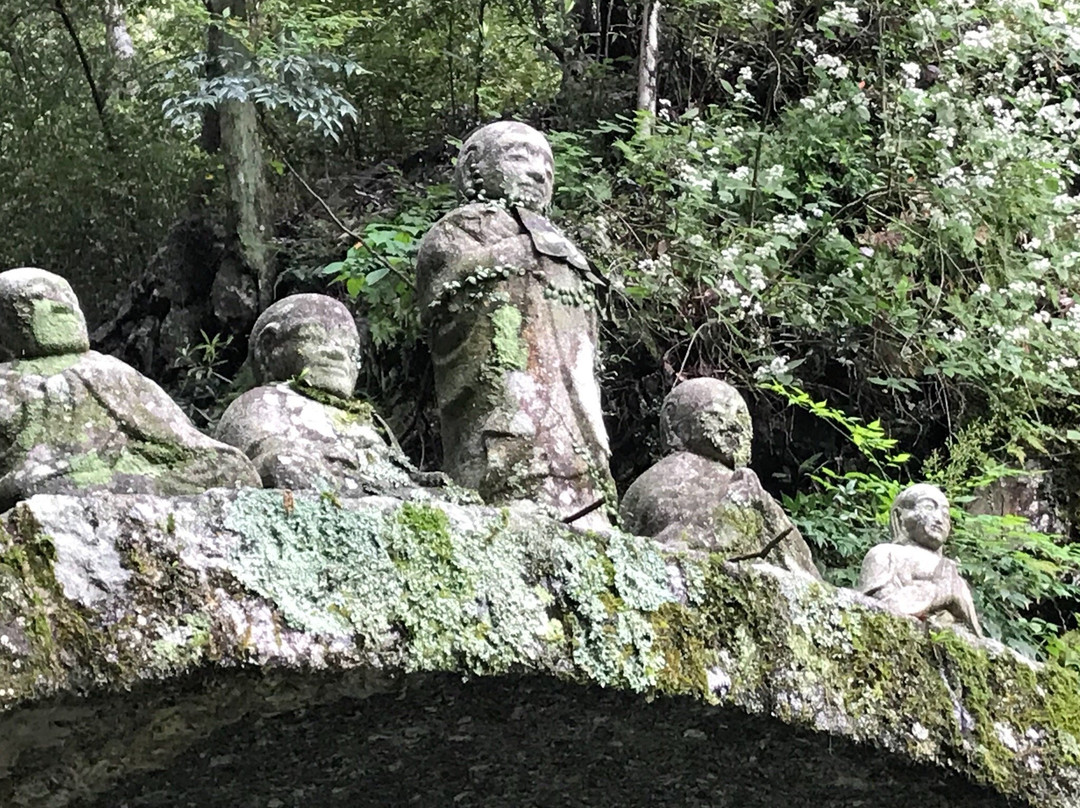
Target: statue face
<point>312,337</point>
<point>920,515</point>
<point>510,161</point>
<point>39,316</point>
<point>707,417</point>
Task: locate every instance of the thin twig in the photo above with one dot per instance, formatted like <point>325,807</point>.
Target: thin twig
<point>326,206</point>
<point>583,512</point>
<point>99,100</point>
<point>764,551</point>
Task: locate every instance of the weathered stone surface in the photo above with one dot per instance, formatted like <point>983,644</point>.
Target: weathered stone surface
<point>300,443</point>
<point>39,315</point>
<point>255,649</point>
<point>312,433</point>
<point>73,420</point>
<point>688,502</point>
<point>512,332</point>
<point>709,418</point>
<point>700,497</point>
<point>312,337</point>
<point>910,574</point>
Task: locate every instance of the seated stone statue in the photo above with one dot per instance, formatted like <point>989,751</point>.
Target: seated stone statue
<point>302,427</point>
<point>507,303</point>
<point>73,420</point>
<point>909,574</point>
<point>701,497</point>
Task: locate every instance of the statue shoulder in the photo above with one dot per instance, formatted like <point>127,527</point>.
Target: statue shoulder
<point>259,409</point>
<point>476,222</point>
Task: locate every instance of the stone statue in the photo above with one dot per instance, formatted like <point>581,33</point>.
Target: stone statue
<point>909,574</point>
<point>701,496</point>
<point>507,303</point>
<point>302,427</point>
<point>74,420</point>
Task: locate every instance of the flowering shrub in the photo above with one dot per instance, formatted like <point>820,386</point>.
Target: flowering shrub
<point>885,200</point>
<point>880,204</point>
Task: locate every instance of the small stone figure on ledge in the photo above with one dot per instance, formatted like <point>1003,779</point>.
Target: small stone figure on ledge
<point>910,575</point>
<point>507,303</point>
<point>302,427</point>
<point>701,496</point>
<point>74,421</point>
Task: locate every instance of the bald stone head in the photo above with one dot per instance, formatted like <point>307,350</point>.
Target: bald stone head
<point>709,418</point>
<point>39,316</point>
<point>920,516</point>
<point>308,334</point>
<point>506,160</point>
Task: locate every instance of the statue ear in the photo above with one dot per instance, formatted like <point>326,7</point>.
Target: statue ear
<point>894,522</point>
<point>260,348</point>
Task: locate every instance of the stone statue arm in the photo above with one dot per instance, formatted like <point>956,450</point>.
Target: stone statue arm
<point>878,574</point>
<point>253,424</point>
<point>464,240</point>
<point>955,596</point>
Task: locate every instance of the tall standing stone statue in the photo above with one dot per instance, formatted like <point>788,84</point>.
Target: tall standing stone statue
<point>73,420</point>
<point>508,308</point>
<point>909,574</point>
<point>701,496</point>
<point>302,427</point>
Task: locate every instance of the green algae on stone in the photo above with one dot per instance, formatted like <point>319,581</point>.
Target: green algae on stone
<point>46,365</point>
<point>509,349</point>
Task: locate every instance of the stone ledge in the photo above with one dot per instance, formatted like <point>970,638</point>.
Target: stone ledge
<point>161,651</point>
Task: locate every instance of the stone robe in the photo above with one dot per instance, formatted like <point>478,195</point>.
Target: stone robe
<point>918,582</point>
<point>299,443</point>
<point>513,334</point>
<point>84,422</point>
<point>689,502</point>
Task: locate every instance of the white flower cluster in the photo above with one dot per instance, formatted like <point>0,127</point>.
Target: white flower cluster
<point>840,14</point>
<point>658,266</point>
<point>1064,363</point>
<point>833,65</point>
<point>777,366</point>
<point>791,226</point>
<point>772,174</point>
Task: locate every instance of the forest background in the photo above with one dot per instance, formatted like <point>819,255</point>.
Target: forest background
<point>865,216</point>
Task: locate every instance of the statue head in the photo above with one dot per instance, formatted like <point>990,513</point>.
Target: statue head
<point>308,334</point>
<point>39,316</point>
<point>506,160</point>
<point>709,418</point>
<point>920,516</point>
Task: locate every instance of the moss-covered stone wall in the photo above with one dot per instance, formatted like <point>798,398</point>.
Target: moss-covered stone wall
<point>100,595</point>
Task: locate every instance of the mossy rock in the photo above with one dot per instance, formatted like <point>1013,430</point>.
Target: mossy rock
<point>265,648</point>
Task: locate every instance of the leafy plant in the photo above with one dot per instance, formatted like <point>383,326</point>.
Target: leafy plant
<point>1013,569</point>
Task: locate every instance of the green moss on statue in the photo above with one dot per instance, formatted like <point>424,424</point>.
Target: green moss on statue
<point>509,349</point>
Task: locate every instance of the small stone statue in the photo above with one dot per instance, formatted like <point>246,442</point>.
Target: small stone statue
<point>302,427</point>
<point>701,496</point>
<point>507,303</point>
<point>909,574</point>
<point>73,420</point>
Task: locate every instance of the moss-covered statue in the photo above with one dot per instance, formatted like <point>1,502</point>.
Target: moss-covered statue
<point>701,496</point>
<point>302,427</point>
<point>909,574</point>
<point>74,420</point>
<point>507,303</point>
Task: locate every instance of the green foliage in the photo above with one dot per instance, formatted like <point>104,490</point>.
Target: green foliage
<point>380,272</point>
<point>881,201</point>
<point>1012,568</point>
<point>202,390</point>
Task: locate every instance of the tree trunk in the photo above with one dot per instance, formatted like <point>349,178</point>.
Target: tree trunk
<point>233,129</point>
<point>117,37</point>
<point>648,58</point>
